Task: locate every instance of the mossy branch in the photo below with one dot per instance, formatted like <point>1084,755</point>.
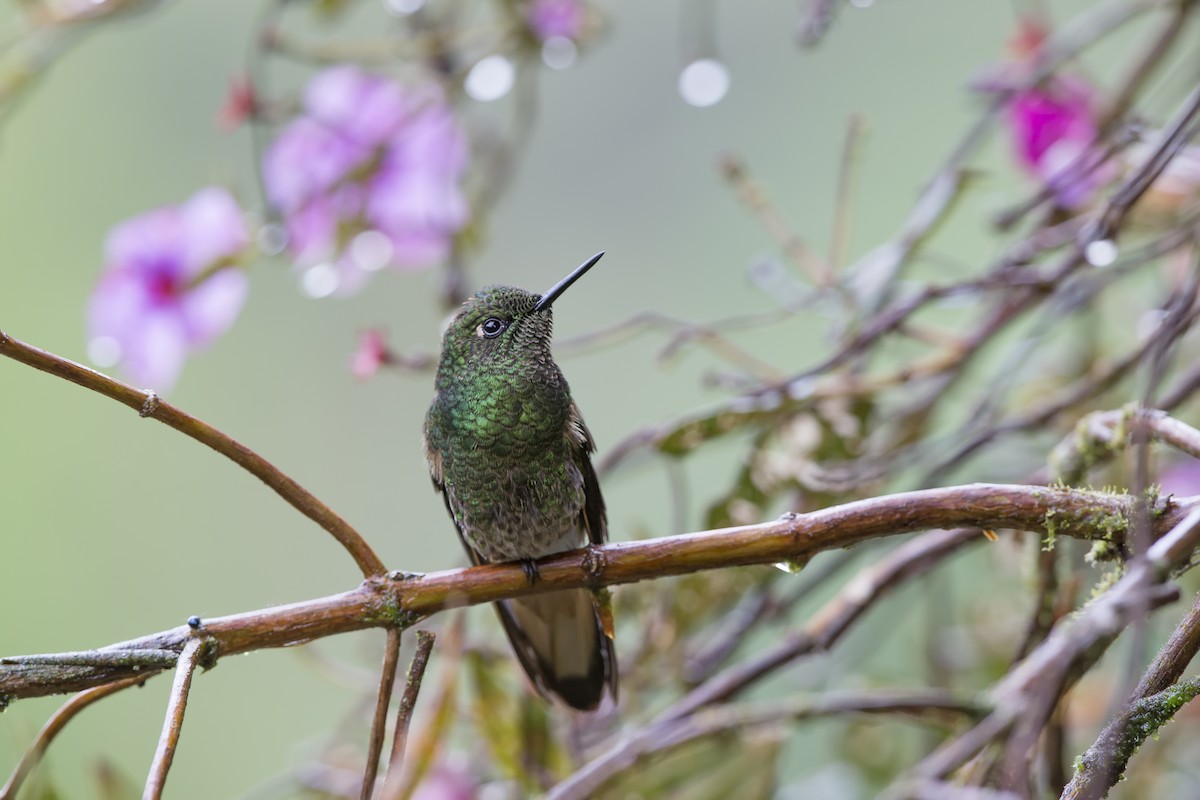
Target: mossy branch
<point>1104,763</point>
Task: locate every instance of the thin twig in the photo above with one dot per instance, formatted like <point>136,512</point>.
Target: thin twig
<point>839,238</point>
<point>148,404</point>
<point>408,702</point>
<point>168,740</point>
<point>1173,137</point>
<point>387,680</point>
<point>1151,55</point>
<point>832,620</point>
<point>828,623</point>
<point>424,744</point>
<point>715,646</point>
<point>754,196</point>
<point>936,706</point>
<point>66,713</point>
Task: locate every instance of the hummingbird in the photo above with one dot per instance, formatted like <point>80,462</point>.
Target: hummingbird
<point>509,451</point>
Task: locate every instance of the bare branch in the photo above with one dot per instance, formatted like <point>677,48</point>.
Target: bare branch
<point>189,659</point>
<point>754,196</point>
<point>387,679</point>
<point>148,404</point>
<point>829,622</point>
<point>929,706</point>
<point>1174,136</point>
<point>408,702</point>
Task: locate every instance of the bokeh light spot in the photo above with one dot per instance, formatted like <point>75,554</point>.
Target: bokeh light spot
<point>490,79</point>
<point>558,52</point>
<point>320,280</point>
<point>703,82</point>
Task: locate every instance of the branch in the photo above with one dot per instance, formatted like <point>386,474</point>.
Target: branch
<point>1173,137</point>
<point>929,705</point>
<point>828,623</point>
<point>826,626</point>
<point>408,702</point>
<point>148,404</point>
<point>1152,704</point>
<point>1100,434</point>
<point>387,679</point>
<point>400,600</point>
<point>189,659</point>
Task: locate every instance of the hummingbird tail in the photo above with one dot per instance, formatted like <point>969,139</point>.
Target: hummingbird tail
<point>560,642</point>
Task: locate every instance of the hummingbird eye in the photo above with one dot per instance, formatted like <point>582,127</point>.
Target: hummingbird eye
<point>492,327</point>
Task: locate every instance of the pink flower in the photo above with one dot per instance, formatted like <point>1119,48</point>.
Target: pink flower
<point>1181,477</point>
<point>445,782</point>
<point>372,353</point>
<point>1052,125</point>
<point>241,104</point>
<point>551,18</point>
<point>368,176</point>
<point>1053,129</point>
<point>166,289</point>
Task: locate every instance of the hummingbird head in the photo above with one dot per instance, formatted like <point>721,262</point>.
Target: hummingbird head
<point>503,323</point>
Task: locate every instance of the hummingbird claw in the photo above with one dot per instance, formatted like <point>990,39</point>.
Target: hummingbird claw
<point>531,570</point>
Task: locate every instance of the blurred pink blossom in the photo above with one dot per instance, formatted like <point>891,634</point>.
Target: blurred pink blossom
<point>241,104</point>
<point>1052,124</point>
<point>550,18</point>
<point>1053,129</point>
<point>445,783</point>
<point>167,288</point>
<point>371,354</point>
<point>368,176</point>
<point>1180,477</point>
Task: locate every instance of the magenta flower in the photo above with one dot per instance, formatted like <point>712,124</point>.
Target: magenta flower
<point>1052,125</point>
<point>556,18</point>
<point>167,288</point>
<point>1053,128</point>
<point>368,176</point>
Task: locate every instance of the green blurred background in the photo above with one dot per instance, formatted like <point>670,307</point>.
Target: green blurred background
<point>112,527</point>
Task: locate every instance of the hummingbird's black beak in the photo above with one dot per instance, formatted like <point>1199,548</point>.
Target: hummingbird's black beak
<point>550,296</point>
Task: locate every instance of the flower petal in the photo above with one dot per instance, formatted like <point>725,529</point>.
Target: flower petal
<point>213,228</point>
<point>361,106</point>
<point>153,353</point>
<point>150,241</point>
<point>209,310</point>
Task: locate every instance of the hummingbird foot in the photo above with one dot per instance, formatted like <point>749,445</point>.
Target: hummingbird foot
<point>531,571</point>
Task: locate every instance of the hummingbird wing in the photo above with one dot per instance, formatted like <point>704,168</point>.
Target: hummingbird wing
<point>593,517</point>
